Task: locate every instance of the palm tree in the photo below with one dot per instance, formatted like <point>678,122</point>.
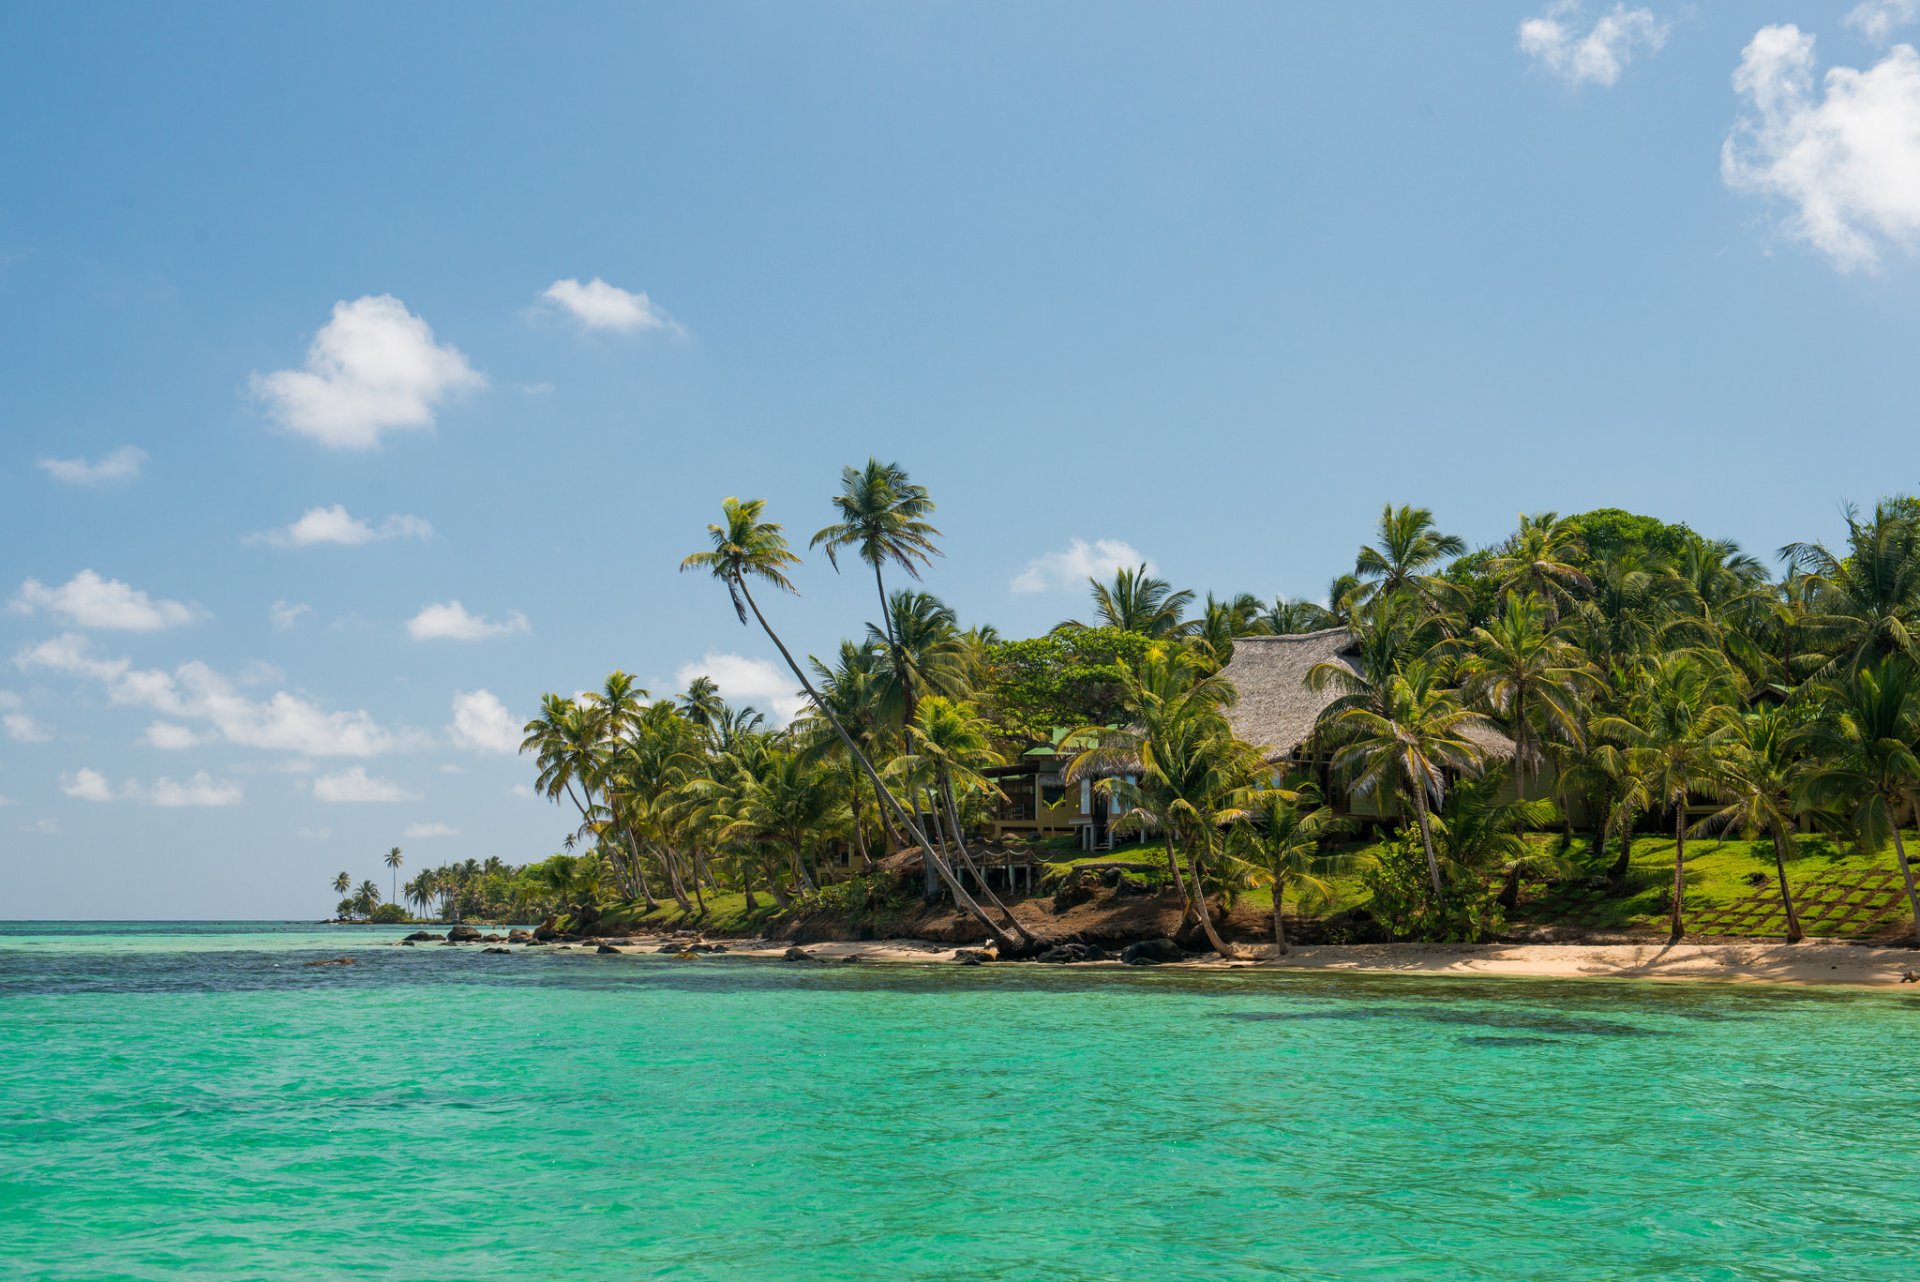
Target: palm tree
<point>1672,733</point>
<point>366,898</point>
<point>1406,743</point>
<point>1764,770</point>
<point>702,704</point>
<point>1865,741</point>
<point>342,884</point>
<point>393,861</point>
<point>1865,601</point>
<point>1525,670</point>
<point>1542,560</point>
<point>883,518</point>
<point>1136,601</point>
<point>1287,830</point>
<point>1289,617</point>
<point>1409,546</point>
<point>746,548</point>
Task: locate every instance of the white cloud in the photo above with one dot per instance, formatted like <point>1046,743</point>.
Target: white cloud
<point>1877,20</point>
<point>521,790</point>
<point>17,725</point>
<point>373,368</point>
<point>201,790</point>
<point>86,785</point>
<point>170,737</point>
<point>1070,568</point>
<point>315,834</point>
<point>286,614</point>
<point>338,526</point>
<point>447,767</point>
<point>43,827</point>
<point>537,389</point>
<point>6,801</point>
<point>355,785</point>
<point>89,601</point>
<point>195,692</point>
<point>481,723</point>
<point>598,305</point>
<point>1597,56</point>
<point>123,464</point>
<point>1848,161</point>
<point>423,832</point>
<point>450,621</point>
<point>750,681</point>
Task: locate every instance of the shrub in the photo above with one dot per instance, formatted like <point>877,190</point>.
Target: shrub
<point>1403,900</point>
<point>387,914</point>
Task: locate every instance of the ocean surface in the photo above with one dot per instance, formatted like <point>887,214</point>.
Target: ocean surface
<point>191,1101</point>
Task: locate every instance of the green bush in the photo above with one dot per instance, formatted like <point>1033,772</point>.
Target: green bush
<point>387,914</point>
<point>1403,900</point>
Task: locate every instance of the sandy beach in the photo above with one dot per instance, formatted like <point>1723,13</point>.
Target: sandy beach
<point>1809,962</point>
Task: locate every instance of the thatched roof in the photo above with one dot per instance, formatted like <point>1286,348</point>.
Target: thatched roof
<point>1277,711</point>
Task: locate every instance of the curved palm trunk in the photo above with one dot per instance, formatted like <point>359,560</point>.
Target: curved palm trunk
<point>1186,899</point>
<point>1906,874</point>
<point>1279,930</point>
<point>1678,927</point>
<point>960,844</point>
<point>1426,840</point>
<point>960,894</point>
<point>1794,933</point>
<point>1220,945</point>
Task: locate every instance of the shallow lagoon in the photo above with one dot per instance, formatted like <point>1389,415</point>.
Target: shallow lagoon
<point>196,1102</point>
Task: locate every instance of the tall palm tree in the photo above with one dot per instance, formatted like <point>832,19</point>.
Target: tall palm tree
<point>1764,769</point>
<point>883,517</point>
<point>1406,743</point>
<point>745,548</point>
<point>1409,546</point>
<point>1290,617</point>
<point>1542,560</point>
<point>393,861</point>
<point>1865,600</point>
<point>342,884</point>
<point>1523,668</point>
<point>1286,837</point>
<point>1870,770</point>
<point>367,898</point>
<point>1136,601</point>
<point>702,704</point>
<point>1673,733</point>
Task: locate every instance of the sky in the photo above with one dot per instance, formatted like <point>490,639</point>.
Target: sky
<point>366,370</point>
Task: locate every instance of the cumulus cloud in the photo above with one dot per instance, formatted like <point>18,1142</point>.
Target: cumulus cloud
<point>1846,157</point>
<point>201,790</point>
<point>287,614</point>
<point>123,464</point>
<point>373,368</point>
<point>450,621</point>
<point>598,305</point>
<point>169,737</point>
<point>338,526</point>
<point>195,692</point>
<point>86,785</point>
<point>741,680</point>
<point>89,601</point>
<point>354,785</point>
<point>425,832</point>
<point>1070,568</point>
<point>481,723</point>
<point>1597,55</point>
<point>15,722</point>
<point>1877,20</point>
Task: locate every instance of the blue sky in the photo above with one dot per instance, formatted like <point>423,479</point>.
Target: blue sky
<point>300,339</point>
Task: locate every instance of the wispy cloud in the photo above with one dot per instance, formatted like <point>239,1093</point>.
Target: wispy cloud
<point>427,832</point>
<point>742,680</point>
<point>1877,20</point>
<point>285,615</point>
<point>373,368</point>
<point>338,526</point>
<point>122,465</point>
<point>16,724</point>
<point>598,305</point>
<point>1071,567</point>
<point>354,786</point>
<point>451,621</point>
<point>202,790</point>
<point>1845,156</point>
<point>88,600</point>
<point>1596,55</point>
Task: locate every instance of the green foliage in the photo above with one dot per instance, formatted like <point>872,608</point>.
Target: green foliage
<point>386,914</point>
<point>1402,899</point>
<point>1071,677</point>
<point>1609,532</point>
<point>868,892</point>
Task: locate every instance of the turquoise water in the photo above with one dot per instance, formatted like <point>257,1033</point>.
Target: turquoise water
<point>192,1102</point>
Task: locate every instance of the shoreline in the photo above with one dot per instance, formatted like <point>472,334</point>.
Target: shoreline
<point>1811,962</point>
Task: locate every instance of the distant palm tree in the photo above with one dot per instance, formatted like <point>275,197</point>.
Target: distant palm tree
<point>1285,839</point>
<point>1764,770</point>
<point>1542,560</point>
<point>1409,546</point>
<point>393,861</point>
<point>1866,599</point>
<point>702,704</point>
<point>366,898</point>
<point>342,884</point>
<point>1525,670</point>
<point>1137,602</point>
<point>1288,618</point>
<point>883,518</point>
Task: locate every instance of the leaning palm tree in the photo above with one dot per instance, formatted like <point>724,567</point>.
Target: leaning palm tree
<point>883,518</point>
<point>1764,771</point>
<point>1286,839</point>
<point>747,548</point>
<point>393,861</point>
<point>1405,742</point>
<point>1870,768</point>
<point>342,884</point>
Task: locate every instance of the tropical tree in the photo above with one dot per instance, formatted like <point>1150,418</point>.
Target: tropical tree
<point>342,884</point>
<point>393,861</point>
<point>366,898</point>
<point>1285,836</point>
<point>1409,545</point>
<point>1288,617</point>
<point>1764,770</point>
<point>1542,561</point>
<point>1864,601</point>
<point>1136,601</point>
<point>1524,669</point>
<point>883,518</point>
<point>1869,770</point>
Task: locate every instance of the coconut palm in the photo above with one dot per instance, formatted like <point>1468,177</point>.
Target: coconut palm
<point>393,861</point>
<point>1289,617</point>
<point>926,655</point>
<point>1542,560</point>
<point>702,704</point>
<point>747,548</point>
<point>1405,741</point>
<point>1869,769</point>
<point>1409,545</point>
<point>1865,601</point>
<point>883,518</point>
<point>366,898</point>
<point>342,884</point>
<point>1285,837</point>
<point>1524,669</point>
<point>1764,771</point>
<point>1136,601</point>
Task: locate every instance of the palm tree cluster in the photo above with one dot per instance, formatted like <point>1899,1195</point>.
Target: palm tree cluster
<point>1603,665</point>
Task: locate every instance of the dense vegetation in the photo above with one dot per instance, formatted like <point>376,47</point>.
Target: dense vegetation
<point>1644,675</point>
<point>475,890</point>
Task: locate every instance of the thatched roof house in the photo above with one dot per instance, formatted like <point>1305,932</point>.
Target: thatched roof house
<point>1276,710</point>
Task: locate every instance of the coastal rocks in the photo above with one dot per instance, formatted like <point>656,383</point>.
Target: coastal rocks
<point>606,948</point>
<point>1064,954</point>
<point>536,943</point>
<point>419,935</point>
<point>1080,887</point>
<point>798,954</point>
<point>670,950</point>
<point>977,956</point>
<point>493,939</point>
<point>519,936</point>
<point>332,961</point>
<point>1152,952</point>
<point>463,935</point>
<point>503,952</point>
<point>546,930</point>
<point>406,943</point>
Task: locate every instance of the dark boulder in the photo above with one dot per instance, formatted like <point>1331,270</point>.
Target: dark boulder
<point>670,950</point>
<point>606,948</point>
<point>1152,952</point>
<point>546,930</point>
<point>504,952</point>
<point>493,939</point>
<point>798,954</point>
<point>1080,886</point>
<point>518,936</point>
<point>462,935</point>
<point>406,943</point>
<point>536,943</point>
<point>1064,954</point>
<point>419,935</point>
<point>332,961</point>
